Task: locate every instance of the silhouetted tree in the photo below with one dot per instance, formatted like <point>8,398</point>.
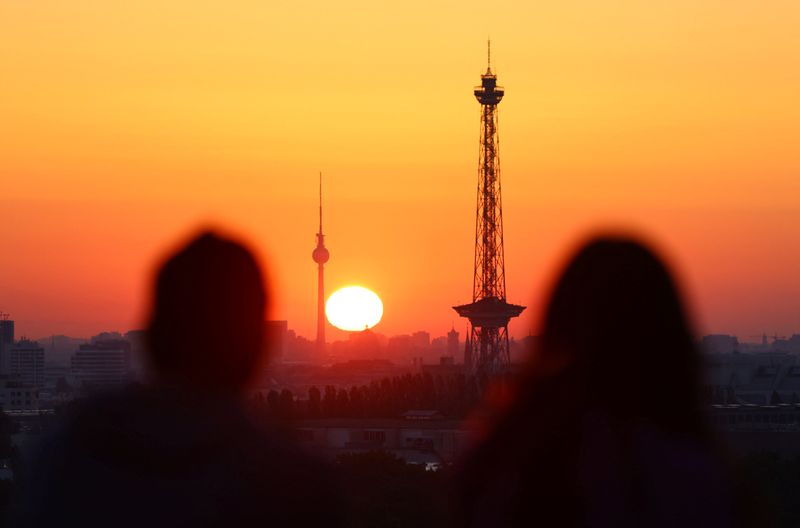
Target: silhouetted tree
<point>776,484</point>
<point>258,405</point>
<point>314,402</point>
<point>356,402</point>
<point>385,491</point>
<point>342,403</point>
<point>286,405</point>
<point>273,401</point>
<point>387,398</point>
<point>329,402</point>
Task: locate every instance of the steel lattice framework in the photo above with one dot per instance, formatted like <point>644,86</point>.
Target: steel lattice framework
<point>489,279</point>
<point>487,351</point>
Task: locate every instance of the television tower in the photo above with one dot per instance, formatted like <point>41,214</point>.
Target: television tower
<point>320,256</point>
<point>487,351</point>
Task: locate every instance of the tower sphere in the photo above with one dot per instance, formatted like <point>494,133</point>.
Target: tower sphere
<point>320,255</point>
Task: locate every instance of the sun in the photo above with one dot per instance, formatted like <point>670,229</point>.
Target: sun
<point>354,308</point>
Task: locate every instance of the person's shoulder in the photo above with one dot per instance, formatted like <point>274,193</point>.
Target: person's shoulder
<point>688,481</point>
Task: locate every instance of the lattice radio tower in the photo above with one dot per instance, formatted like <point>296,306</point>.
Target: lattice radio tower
<point>487,351</point>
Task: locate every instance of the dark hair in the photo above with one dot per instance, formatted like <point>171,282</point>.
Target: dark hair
<point>616,316</point>
<point>207,325</point>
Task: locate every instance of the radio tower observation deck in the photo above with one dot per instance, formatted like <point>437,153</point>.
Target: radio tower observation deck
<point>487,351</point>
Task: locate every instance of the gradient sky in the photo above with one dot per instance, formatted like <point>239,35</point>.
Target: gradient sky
<point>124,125</point>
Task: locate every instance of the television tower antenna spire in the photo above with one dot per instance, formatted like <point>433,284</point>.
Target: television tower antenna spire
<point>320,256</point>
<point>320,202</point>
<point>487,351</point>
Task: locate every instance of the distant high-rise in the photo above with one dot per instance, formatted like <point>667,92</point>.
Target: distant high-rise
<point>6,341</point>
<point>487,350</point>
<point>26,363</point>
<point>320,256</point>
<point>277,340</point>
<point>102,364</point>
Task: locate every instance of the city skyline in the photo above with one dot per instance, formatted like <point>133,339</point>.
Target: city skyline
<point>679,122</point>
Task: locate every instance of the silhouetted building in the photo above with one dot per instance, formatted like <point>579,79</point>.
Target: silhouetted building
<point>439,345</point>
<point>452,343</point>
<point>26,363</point>
<point>17,396</point>
<point>720,344</point>
<point>520,350</point>
<point>102,364</point>
<point>6,341</point>
<point>277,340</point>
<point>421,340</point>
<point>792,344</point>
<point>299,348</point>
<point>55,374</point>
<point>58,349</point>
<point>469,364</point>
<point>138,361</point>
<point>752,379</point>
<point>445,368</point>
<point>418,346</point>
<point>420,437</point>
<point>364,344</point>
<point>399,346</point>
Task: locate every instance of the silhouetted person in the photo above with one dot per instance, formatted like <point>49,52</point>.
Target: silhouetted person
<point>182,452</point>
<point>607,428</point>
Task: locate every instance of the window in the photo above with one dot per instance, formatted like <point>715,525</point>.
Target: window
<point>420,443</point>
<point>375,436</point>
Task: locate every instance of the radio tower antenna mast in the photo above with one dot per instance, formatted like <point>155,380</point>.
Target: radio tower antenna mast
<point>487,350</point>
<point>320,256</point>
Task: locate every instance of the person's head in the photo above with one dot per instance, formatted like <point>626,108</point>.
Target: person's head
<point>206,328</point>
<point>616,319</point>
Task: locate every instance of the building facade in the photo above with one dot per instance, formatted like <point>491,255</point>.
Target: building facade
<point>26,363</point>
<point>102,365</point>
<point>15,396</point>
<point>6,342</point>
<point>430,441</point>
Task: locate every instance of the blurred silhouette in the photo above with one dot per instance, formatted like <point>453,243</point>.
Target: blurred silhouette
<point>606,428</point>
<point>181,452</point>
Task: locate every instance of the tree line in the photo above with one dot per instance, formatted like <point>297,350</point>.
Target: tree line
<point>453,396</point>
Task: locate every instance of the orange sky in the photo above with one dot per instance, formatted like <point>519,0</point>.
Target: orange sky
<point>124,125</point>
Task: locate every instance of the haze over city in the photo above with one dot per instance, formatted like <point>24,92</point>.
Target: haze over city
<point>124,126</point>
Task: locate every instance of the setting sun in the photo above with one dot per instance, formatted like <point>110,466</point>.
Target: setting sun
<point>354,308</point>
